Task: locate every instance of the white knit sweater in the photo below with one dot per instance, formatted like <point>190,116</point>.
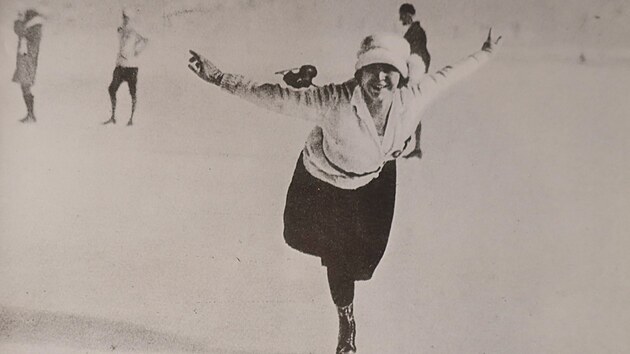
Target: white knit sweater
<point>344,148</point>
<point>131,43</point>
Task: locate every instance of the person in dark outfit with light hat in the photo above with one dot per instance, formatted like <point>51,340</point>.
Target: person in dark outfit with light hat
<point>28,28</point>
<point>340,203</point>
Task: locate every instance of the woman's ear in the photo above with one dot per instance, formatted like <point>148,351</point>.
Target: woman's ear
<point>403,82</point>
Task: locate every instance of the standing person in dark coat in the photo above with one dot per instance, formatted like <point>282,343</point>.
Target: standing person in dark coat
<point>417,39</point>
<point>415,34</point>
<point>28,28</point>
<point>340,203</point>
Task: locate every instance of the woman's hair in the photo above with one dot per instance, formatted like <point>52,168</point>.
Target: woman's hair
<point>402,82</point>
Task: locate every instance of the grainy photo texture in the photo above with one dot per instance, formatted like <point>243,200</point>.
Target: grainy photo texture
<point>281,176</point>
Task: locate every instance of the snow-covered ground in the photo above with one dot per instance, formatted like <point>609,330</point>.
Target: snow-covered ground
<point>510,235</point>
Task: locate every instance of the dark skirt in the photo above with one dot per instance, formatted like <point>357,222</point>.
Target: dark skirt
<point>26,64</point>
<point>348,229</point>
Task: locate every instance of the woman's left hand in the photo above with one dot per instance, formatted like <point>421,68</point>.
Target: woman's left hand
<point>204,68</point>
<point>490,44</point>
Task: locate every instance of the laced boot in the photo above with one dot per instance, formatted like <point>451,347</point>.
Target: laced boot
<point>28,119</point>
<point>347,330</point>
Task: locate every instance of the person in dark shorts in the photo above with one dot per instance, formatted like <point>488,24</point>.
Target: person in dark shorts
<point>340,203</point>
<point>302,79</point>
<point>28,28</point>
<point>417,38</point>
<point>131,45</point>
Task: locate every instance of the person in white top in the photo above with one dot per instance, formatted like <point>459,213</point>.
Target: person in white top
<point>131,44</point>
<point>340,202</point>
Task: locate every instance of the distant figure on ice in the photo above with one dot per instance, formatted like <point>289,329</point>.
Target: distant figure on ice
<point>340,203</point>
<point>415,35</point>
<point>131,45</point>
<point>417,39</point>
<point>582,58</point>
<point>302,79</point>
<point>28,28</point>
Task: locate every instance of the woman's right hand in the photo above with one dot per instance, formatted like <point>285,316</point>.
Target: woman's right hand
<point>204,68</point>
<point>490,44</point>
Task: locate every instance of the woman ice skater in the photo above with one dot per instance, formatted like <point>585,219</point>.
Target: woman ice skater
<point>340,202</point>
<point>28,28</point>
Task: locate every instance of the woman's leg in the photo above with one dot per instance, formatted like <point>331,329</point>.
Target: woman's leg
<point>417,151</point>
<point>111,89</point>
<point>132,81</point>
<point>341,287</point>
<point>342,291</point>
<point>29,100</point>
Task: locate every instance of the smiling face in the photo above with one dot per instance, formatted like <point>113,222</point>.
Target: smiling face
<point>379,81</point>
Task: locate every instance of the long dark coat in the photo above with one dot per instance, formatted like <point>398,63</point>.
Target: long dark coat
<point>26,64</point>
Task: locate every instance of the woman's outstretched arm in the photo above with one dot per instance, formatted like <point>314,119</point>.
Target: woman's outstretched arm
<point>431,85</point>
<point>311,104</point>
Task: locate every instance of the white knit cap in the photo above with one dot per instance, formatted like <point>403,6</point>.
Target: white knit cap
<point>384,48</point>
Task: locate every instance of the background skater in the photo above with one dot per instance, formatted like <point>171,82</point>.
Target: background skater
<point>28,28</point>
<point>415,35</point>
<point>417,38</point>
<point>131,45</point>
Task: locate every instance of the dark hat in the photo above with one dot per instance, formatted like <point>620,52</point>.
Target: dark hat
<point>309,70</point>
<point>407,9</point>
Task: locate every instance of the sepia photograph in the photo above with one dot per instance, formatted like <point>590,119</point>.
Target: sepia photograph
<point>314,176</point>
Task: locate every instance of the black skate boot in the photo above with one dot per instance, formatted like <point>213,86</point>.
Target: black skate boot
<point>28,119</point>
<point>347,330</point>
<point>111,120</point>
